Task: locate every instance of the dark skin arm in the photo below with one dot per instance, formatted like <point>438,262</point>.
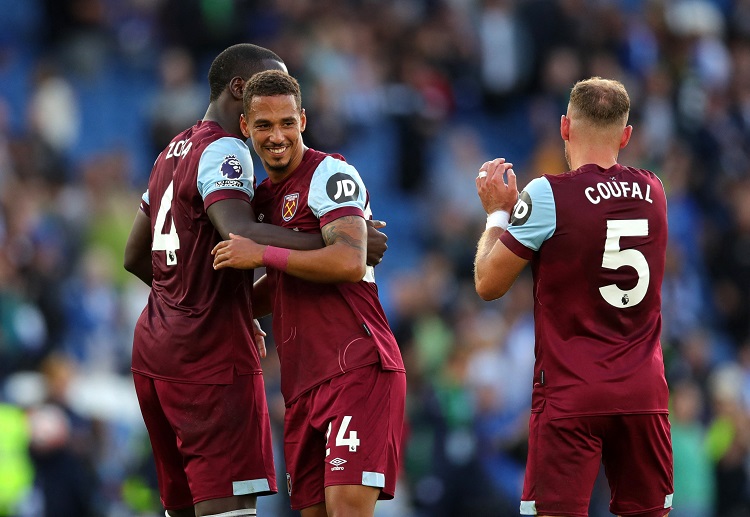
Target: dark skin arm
<point>229,215</point>
<point>261,298</point>
<point>341,260</point>
<point>237,216</point>
<point>138,249</point>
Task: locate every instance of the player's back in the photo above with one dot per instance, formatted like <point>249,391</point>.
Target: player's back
<point>197,324</point>
<point>598,293</point>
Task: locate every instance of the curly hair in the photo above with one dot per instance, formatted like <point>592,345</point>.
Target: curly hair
<point>241,60</point>
<point>271,83</point>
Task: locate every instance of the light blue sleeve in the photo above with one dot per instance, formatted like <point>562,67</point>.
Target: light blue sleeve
<point>145,198</point>
<point>225,164</point>
<point>534,217</point>
<point>335,184</point>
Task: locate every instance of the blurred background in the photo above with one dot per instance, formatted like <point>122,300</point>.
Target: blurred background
<point>417,94</point>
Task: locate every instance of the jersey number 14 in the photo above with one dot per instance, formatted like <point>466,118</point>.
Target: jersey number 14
<point>341,440</point>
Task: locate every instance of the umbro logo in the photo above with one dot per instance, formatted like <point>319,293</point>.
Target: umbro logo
<point>337,463</point>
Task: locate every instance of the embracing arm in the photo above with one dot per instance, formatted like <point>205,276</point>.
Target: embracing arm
<point>138,249</point>
<point>261,298</point>
<point>342,260</point>
<point>237,216</point>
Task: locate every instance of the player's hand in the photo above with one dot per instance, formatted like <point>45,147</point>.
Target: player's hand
<point>238,252</point>
<point>376,242</point>
<point>260,338</point>
<point>493,191</point>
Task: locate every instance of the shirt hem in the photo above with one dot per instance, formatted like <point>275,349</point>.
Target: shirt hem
<point>612,413</point>
<point>328,378</point>
<point>181,380</point>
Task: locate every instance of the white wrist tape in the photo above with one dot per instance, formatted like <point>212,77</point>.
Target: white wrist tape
<point>498,219</point>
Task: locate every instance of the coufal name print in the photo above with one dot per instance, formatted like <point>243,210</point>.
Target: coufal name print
<point>617,189</point>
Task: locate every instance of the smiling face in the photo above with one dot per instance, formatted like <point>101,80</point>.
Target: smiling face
<point>275,123</point>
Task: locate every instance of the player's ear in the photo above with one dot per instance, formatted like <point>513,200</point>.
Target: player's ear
<point>243,126</point>
<point>565,128</point>
<point>302,120</point>
<point>626,134</point>
<point>236,84</point>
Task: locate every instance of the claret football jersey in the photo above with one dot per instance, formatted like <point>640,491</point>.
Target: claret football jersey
<point>197,324</point>
<point>596,240</point>
<point>322,330</point>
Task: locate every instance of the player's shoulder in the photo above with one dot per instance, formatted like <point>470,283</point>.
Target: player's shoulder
<point>593,172</point>
<point>327,167</point>
<point>209,135</point>
<point>318,156</point>
<point>320,160</point>
<point>208,129</point>
<point>330,164</point>
<point>538,185</point>
<point>635,174</point>
<point>566,176</point>
<point>645,173</point>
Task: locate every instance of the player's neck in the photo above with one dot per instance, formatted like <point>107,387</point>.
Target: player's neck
<point>604,164</point>
<point>600,156</point>
<point>226,118</point>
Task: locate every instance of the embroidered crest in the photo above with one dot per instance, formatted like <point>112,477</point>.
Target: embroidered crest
<point>289,208</point>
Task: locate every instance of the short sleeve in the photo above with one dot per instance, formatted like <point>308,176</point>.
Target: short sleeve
<point>336,189</point>
<point>145,204</point>
<point>534,217</point>
<point>226,164</point>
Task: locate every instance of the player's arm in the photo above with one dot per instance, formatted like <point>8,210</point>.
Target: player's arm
<point>138,249</point>
<point>495,266</point>
<point>236,216</point>
<point>261,298</point>
<point>341,260</point>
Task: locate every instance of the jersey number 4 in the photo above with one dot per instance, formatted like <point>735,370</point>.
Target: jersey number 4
<point>168,242</point>
<point>615,258</point>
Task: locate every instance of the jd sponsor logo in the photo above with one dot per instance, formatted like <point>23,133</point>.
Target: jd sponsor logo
<point>341,188</point>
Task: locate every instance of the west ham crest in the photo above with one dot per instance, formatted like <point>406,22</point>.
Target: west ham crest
<point>289,208</point>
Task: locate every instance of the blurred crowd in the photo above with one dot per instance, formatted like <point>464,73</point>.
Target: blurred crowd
<point>417,94</point>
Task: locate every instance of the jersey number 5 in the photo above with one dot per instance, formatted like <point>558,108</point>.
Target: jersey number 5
<point>168,242</point>
<point>615,258</point>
